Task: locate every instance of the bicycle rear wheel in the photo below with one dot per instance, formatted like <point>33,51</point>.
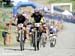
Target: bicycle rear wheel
<point>52,42</point>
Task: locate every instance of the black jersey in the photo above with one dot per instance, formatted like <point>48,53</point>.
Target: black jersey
<point>21,19</point>
<point>37,18</point>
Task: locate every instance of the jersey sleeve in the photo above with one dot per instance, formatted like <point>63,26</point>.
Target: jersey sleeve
<point>43,20</point>
<point>32,15</point>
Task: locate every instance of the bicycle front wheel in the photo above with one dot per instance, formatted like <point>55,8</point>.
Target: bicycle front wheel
<point>21,41</point>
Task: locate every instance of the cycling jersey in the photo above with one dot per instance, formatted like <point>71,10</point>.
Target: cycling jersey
<point>21,19</point>
<point>37,18</point>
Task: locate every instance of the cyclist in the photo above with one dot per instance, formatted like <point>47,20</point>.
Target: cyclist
<point>53,30</point>
<point>21,19</point>
<point>38,18</point>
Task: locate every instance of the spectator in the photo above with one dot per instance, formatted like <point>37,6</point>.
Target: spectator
<point>4,35</point>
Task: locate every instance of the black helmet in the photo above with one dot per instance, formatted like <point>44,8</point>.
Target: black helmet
<point>20,16</point>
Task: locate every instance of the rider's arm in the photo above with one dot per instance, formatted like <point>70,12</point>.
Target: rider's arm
<point>12,21</point>
<point>32,15</point>
<point>43,20</point>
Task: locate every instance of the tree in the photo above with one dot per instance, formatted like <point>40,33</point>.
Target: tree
<point>72,0</point>
<point>7,2</point>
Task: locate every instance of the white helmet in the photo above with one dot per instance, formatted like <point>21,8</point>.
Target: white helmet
<point>36,10</point>
<point>51,27</point>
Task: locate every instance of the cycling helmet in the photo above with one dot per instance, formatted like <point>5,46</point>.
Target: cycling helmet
<point>36,10</point>
<point>51,27</point>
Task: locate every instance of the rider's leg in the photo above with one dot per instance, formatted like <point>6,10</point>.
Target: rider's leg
<point>18,34</point>
<point>25,35</point>
<point>17,28</point>
<point>39,36</point>
<point>38,45</point>
<point>25,32</point>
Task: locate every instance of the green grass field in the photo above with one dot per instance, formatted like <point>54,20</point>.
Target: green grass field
<point>1,33</point>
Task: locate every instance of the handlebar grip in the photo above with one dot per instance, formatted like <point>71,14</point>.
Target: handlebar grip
<point>14,24</point>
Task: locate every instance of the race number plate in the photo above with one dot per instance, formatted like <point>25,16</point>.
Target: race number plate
<point>37,24</point>
<point>20,25</point>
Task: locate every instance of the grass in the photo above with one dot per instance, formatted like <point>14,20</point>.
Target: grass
<point>5,12</point>
<point>1,29</point>
<point>0,35</point>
